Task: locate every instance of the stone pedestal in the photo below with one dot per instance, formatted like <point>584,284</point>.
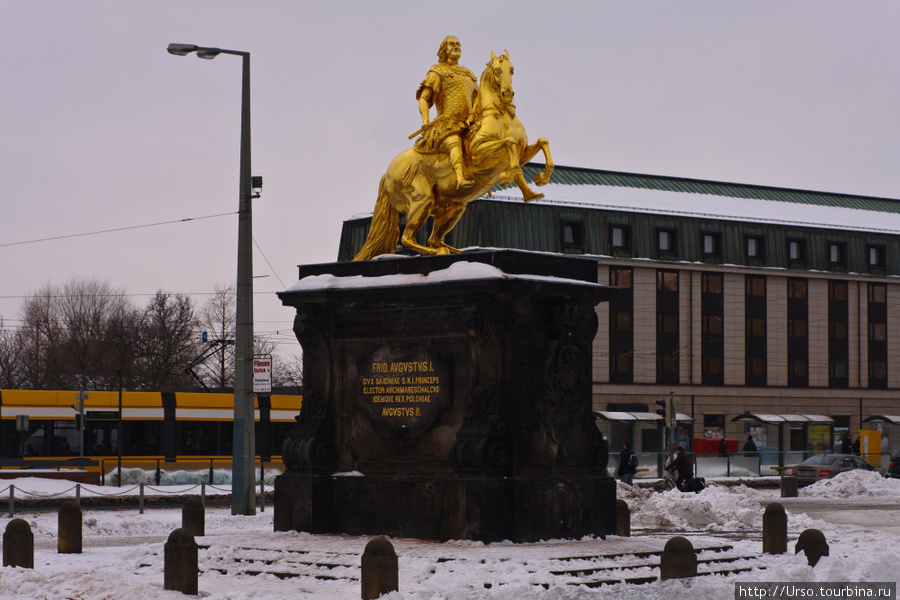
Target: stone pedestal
<point>447,398</point>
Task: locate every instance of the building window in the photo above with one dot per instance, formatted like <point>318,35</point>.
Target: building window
<point>755,349</point>
<point>572,237</point>
<point>876,258</point>
<point>712,342</point>
<point>838,340</point>
<point>837,255</point>
<point>878,352</point>
<point>797,251</point>
<point>666,242</point>
<point>798,332</point>
<point>711,245</point>
<point>621,326</point>
<point>667,338</point>
<point>620,238</point>
<point>755,246</point>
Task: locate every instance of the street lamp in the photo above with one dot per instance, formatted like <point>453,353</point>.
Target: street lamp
<point>243,497</point>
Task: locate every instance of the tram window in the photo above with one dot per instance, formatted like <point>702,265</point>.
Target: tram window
<point>202,437</point>
<point>142,438</point>
<point>64,439</point>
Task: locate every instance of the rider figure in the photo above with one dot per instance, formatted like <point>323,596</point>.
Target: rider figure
<point>451,88</point>
<point>681,465</point>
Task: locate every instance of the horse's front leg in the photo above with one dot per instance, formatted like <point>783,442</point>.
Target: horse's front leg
<point>542,178</point>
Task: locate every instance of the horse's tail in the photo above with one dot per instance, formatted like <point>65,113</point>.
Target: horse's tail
<point>384,231</point>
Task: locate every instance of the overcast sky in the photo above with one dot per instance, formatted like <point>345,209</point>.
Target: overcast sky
<point>100,128</point>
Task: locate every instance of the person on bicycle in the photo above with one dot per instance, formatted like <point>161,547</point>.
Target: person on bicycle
<point>681,465</point>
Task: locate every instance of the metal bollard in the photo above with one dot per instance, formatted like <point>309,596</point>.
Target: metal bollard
<point>78,494</point>
<point>812,543</point>
<point>18,545</point>
<point>623,518</point>
<point>180,572</point>
<point>193,517</point>
<point>678,559</point>
<point>379,574</point>
<point>69,531</point>
<point>12,501</point>
<point>141,499</point>
<point>774,529</point>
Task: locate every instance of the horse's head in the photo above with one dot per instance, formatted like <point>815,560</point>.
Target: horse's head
<point>500,71</point>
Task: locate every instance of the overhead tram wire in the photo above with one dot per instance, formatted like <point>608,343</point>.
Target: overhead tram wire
<point>113,230</point>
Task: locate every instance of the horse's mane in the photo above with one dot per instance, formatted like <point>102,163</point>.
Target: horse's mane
<point>487,77</point>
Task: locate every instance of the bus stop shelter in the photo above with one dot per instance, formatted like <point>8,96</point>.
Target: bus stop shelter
<point>795,437</point>
<point>645,431</point>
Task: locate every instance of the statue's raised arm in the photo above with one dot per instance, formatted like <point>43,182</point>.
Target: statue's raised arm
<point>474,142</point>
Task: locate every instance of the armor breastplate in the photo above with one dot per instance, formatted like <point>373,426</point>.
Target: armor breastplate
<point>457,84</point>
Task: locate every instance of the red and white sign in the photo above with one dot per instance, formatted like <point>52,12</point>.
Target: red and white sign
<point>262,375</point>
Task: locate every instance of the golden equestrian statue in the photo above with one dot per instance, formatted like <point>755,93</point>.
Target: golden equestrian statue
<point>475,142</point>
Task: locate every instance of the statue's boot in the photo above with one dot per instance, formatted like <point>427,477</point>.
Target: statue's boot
<point>456,159</point>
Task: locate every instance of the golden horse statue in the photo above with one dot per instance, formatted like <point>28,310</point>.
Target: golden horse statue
<point>420,185</point>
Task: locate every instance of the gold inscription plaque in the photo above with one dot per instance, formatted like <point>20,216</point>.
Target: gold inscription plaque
<point>407,388</point>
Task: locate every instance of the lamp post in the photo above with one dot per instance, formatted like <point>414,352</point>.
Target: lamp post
<point>243,496</point>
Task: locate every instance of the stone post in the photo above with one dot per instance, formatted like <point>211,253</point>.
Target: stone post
<point>379,574</point>
<point>812,543</point>
<point>678,559</point>
<point>193,516</point>
<point>623,518</point>
<point>18,545</point>
<point>774,529</point>
<point>180,570</point>
<point>69,530</point>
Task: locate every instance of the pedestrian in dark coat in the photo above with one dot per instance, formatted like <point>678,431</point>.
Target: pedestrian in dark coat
<point>627,464</point>
<point>846,444</point>
<point>750,447</point>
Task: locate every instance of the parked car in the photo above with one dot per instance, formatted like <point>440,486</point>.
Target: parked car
<point>893,469</point>
<point>824,466</point>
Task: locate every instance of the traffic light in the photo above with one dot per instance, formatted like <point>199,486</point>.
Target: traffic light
<point>663,409</point>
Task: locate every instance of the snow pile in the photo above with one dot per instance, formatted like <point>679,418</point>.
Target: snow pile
<point>717,508</point>
<point>851,484</point>
<point>181,477</point>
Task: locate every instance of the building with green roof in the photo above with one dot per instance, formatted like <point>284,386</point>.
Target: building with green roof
<point>735,297</point>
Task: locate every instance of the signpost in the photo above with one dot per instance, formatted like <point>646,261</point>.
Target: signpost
<point>79,418</point>
<point>262,374</point>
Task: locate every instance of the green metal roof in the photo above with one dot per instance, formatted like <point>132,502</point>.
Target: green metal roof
<point>563,175</point>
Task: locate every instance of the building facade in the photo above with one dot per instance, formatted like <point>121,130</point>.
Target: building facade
<point>737,298</point>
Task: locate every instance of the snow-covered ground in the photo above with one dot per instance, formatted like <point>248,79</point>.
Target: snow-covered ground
<point>858,512</point>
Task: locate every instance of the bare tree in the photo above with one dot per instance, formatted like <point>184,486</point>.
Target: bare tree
<point>290,371</point>
<point>217,319</point>
<point>40,334</point>
<point>11,358</point>
<point>100,328</point>
<point>168,342</point>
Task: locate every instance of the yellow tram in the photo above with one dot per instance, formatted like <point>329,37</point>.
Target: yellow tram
<point>190,429</point>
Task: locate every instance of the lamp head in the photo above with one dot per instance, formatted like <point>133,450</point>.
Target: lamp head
<point>181,49</point>
<point>208,53</point>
